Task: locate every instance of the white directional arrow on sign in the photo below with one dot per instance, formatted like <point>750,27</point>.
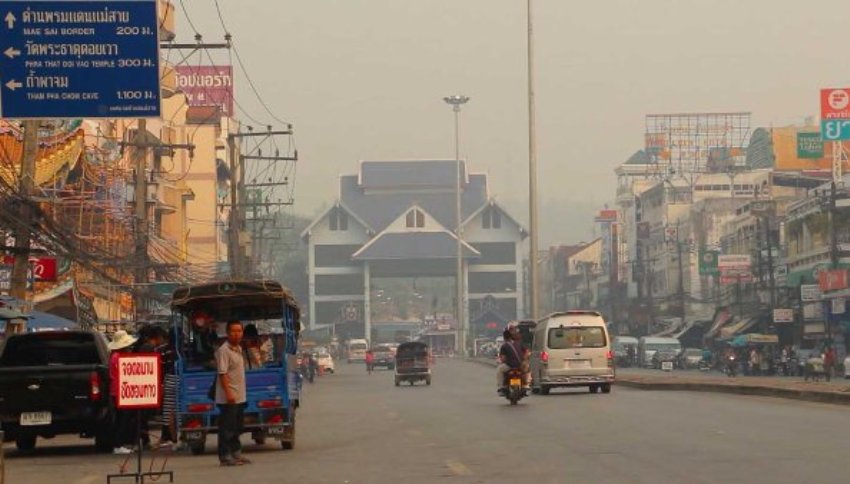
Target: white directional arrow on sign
<point>12,52</point>
<point>10,20</point>
<point>13,84</point>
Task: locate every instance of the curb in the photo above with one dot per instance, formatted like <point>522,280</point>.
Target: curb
<point>836,398</point>
<point>760,391</point>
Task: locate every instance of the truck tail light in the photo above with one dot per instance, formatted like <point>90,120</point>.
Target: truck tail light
<point>544,356</point>
<point>268,404</point>
<point>199,407</point>
<point>94,386</point>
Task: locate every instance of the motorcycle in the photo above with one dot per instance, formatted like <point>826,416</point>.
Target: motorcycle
<point>308,372</point>
<point>731,366</point>
<point>704,365</point>
<point>514,391</point>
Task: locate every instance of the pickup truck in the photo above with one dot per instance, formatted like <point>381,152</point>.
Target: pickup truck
<point>52,383</point>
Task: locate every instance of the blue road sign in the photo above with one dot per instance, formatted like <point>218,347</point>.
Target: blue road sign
<point>79,59</point>
<point>835,129</point>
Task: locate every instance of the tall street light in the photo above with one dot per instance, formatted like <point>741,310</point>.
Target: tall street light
<point>532,172</point>
<point>456,102</point>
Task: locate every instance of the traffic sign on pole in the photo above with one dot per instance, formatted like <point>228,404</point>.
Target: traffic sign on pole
<point>79,59</point>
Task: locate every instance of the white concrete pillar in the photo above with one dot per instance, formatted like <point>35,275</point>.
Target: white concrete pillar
<point>367,306</point>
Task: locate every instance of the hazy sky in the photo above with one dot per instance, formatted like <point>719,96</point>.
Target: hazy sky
<point>364,79</point>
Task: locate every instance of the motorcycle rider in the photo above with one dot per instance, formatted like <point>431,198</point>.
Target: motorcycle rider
<point>512,355</point>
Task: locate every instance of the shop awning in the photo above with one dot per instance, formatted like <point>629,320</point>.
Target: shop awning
<point>736,328</point>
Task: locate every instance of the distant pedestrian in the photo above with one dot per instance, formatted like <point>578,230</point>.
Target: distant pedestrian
<point>230,396</point>
<point>828,361</point>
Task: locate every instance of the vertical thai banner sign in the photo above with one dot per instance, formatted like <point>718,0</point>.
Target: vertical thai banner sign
<point>139,381</point>
<point>606,220</point>
<point>708,263</point>
<point>835,113</point>
<point>207,86</point>
<point>809,146</point>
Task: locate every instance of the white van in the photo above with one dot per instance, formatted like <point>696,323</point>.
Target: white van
<point>357,350</point>
<point>572,349</point>
<point>648,345</point>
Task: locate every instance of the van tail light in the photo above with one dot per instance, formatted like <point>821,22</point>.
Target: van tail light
<point>199,407</point>
<point>610,356</point>
<point>268,404</point>
<point>94,386</point>
<point>544,356</point>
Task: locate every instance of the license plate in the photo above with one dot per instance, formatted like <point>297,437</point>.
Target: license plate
<point>29,419</point>
<point>516,382</point>
<point>577,364</point>
<point>667,366</point>
<point>276,430</point>
<point>194,435</point>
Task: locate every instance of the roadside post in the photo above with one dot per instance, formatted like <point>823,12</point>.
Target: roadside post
<point>2,461</point>
<point>140,388</point>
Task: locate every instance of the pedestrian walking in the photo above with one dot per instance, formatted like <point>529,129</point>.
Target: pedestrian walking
<point>124,429</point>
<point>230,396</point>
<point>828,361</point>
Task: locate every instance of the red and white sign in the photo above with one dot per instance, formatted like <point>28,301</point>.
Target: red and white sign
<point>734,279</point>
<point>139,382</point>
<point>43,268</point>
<point>207,86</point>
<point>832,280</point>
<point>835,103</point>
<point>733,261</point>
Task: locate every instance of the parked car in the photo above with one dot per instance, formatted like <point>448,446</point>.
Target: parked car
<point>690,358</point>
<point>54,383</point>
<point>384,356</point>
<point>665,355</point>
<point>325,361</point>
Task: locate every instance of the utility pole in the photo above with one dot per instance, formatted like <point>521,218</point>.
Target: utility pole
<point>140,155</point>
<point>238,202</point>
<point>681,293</point>
<point>23,234</point>
<point>768,235</point>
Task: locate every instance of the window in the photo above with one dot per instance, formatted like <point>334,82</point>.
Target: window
<point>338,219</point>
<point>496,252</point>
<point>491,218</point>
<point>576,337</point>
<point>415,219</point>
<point>335,255</point>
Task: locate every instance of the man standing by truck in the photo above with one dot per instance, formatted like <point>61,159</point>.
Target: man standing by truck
<point>230,396</point>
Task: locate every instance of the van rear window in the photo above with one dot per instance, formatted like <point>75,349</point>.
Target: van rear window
<point>577,337</point>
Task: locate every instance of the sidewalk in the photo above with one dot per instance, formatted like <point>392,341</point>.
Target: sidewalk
<point>837,391</point>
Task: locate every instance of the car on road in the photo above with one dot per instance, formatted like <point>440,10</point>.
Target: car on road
<point>356,350</point>
<point>690,358</point>
<point>384,357</point>
<point>54,383</point>
<point>572,349</point>
<point>325,361</point>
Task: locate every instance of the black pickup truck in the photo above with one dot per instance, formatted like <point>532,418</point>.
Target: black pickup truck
<point>52,383</point>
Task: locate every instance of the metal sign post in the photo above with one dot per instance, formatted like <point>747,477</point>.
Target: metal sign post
<point>139,389</point>
<point>79,59</point>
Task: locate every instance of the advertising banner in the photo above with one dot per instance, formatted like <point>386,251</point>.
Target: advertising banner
<point>832,280</point>
<point>139,380</point>
<point>839,305</point>
<point>810,293</point>
<point>207,86</point>
<point>42,268</point>
<point>708,262</point>
<point>834,103</point>
<point>809,146</point>
<point>783,315</point>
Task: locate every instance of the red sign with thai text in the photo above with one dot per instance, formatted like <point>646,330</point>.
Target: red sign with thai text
<point>835,103</point>
<point>207,86</point>
<point>832,280</point>
<point>43,268</point>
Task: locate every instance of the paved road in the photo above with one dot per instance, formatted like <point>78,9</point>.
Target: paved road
<point>837,380</point>
<point>357,428</point>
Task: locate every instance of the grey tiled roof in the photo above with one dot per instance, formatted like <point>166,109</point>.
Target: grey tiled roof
<point>410,174</point>
<point>414,245</point>
<point>380,209</point>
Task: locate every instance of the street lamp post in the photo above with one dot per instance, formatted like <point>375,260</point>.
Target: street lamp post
<point>532,171</point>
<point>456,102</point>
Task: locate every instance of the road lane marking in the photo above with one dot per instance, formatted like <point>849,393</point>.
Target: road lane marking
<point>458,468</point>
